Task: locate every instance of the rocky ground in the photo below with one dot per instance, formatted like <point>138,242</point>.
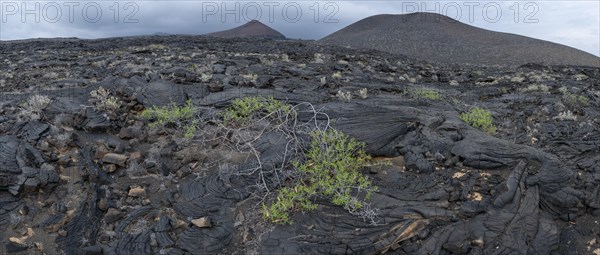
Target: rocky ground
<point>82,173</point>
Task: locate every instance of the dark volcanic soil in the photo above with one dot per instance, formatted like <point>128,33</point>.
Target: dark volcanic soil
<point>438,38</point>
<point>76,178</point>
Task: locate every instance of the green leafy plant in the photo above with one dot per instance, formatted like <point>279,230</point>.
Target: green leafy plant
<point>190,130</point>
<point>479,118</point>
<point>332,170</point>
<point>169,114</point>
<point>242,110</point>
<point>182,116</point>
<point>421,93</point>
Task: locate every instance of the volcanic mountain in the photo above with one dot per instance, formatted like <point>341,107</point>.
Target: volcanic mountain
<point>438,38</point>
<point>254,29</point>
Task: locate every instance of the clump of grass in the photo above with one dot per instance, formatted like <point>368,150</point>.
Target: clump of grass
<point>422,93</point>
<point>479,118</point>
<point>332,170</point>
<point>241,110</point>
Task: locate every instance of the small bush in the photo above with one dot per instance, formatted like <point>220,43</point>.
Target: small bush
<point>425,94</point>
<point>580,77</point>
<point>182,116</point>
<point>579,99</point>
<point>567,115</point>
<point>536,88</point>
<point>337,75</point>
<point>363,93</point>
<point>250,78</point>
<point>205,77</point>
<point>37,103</point>
<point>34,106</point>
<point>332,170</point>
<point>479,118</point>
<point>102,100</point>
<point>344,96</point>
<point>241,110</point>
<point>323,81</point>
<point>563,90</point>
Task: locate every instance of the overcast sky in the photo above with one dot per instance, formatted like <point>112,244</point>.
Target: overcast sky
<point>573,23</point>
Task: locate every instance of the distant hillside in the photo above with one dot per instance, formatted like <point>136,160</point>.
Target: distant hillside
<point>253,28</point>
<point>438,38</point>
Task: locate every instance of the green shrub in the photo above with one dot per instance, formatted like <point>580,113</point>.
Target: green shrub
<point>169,114</point>
<point>241,110</point>
<point>421,93</point>
<point>332,170</point>
<point>479,118</point>
<point>182,116</point>
<point>579,99</point>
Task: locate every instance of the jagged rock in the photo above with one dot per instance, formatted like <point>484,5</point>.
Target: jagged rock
<point>114,158</point>
<point>137,192</point>
<point>215,87</point>
<point>110,168</point>
<point>112,215</point>
<point>203,222</point>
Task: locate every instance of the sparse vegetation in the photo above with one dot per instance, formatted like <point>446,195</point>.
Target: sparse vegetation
<point>181,116</point>
<point>363,93</point>
<point>241,110</point>
<point>337,75</point>
<point>323,80</point>
<point>344,95</point>
<point>578,99</point>
<point>536,88</point>
<point>205,77</point>
<point>319,58</point>
<point>332,170</point>
<point>566,115</point>
<point>103,101</point>
<point>580,77</point>
<point>34,106</point>
<point>479,118</point>
<point>563,90</point>
<point>518,79</point>
<point>37,103</point>
<point>422,93</point>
